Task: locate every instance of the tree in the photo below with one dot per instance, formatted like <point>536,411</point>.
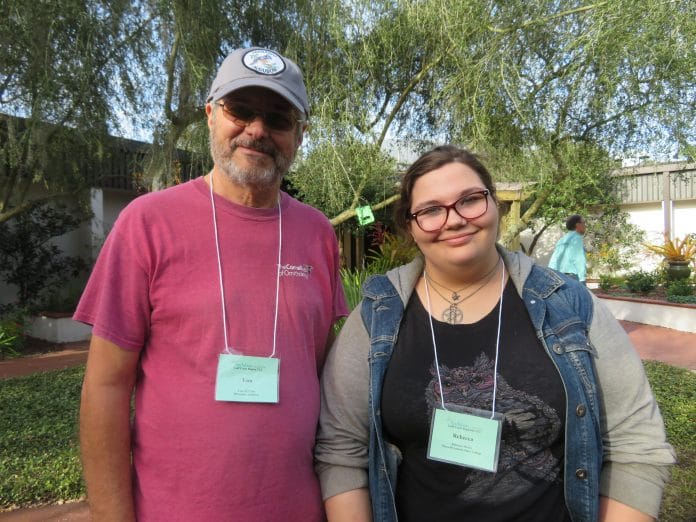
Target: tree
<point>537,88</point>
<point>195,37</point>
<point>65,66</point>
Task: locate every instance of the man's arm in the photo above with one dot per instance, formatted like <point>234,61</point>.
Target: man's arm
<point>105,430</point>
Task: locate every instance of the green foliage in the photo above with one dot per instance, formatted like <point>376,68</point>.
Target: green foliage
<point>8,341</point>
<point>352,285</point>
<point>341,173</point>
<point>680,287</point>
<point>68,70</point>
<point>39,458</point>
<point>30,261</point>
<point>641,282</point>
<point>63,301</point>
<point>549,92</point>
<point>608,282</point>
<point>615,241</point>
<point>675,391</point>
<point>12,324</point>
<point>392,250</point>
<point>682,299</point>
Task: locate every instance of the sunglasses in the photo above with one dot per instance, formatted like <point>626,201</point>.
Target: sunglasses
<point>243,114</point>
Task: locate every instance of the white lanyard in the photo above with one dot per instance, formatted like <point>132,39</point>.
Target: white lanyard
<point>497,342</point>
<point>222,288</point>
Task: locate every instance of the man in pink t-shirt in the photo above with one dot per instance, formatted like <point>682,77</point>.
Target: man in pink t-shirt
<point>214,301</point>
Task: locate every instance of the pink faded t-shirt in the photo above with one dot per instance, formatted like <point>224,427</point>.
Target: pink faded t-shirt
<point>156,288</point>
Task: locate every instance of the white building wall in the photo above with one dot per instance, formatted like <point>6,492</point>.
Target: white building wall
<point>684,218</point>
<point>649,217</point>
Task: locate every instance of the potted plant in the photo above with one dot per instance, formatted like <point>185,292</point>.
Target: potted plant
<point>677,255</point>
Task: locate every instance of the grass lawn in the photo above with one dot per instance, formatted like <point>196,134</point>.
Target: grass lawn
<point>38,438</point>
<point>39,450</point>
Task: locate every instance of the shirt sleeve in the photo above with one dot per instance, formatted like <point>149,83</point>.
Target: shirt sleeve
<point>555,261</point>
<point>341,451</point>
<point>116,299</point>
<point>579,258</point>
<point>637,456</point>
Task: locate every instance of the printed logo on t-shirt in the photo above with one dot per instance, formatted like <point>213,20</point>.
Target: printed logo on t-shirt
<point>289,270</point>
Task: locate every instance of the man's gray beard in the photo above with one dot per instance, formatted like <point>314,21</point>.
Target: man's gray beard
<point>254,176</point>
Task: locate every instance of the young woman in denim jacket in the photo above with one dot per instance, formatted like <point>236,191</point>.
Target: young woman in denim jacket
<point>471,328</point>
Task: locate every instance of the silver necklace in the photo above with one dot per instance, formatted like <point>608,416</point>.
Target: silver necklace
<point>452,314</point>
<point>456,296</point>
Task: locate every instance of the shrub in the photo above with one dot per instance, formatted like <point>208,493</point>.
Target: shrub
<point>641,282</point>
<point>12,325</point>
<point>28,259</point>
<point>392,250</point>
<point>352,285</point>
<point>680,287</point>
<point>678,250</point>
<point>607,282</point>
<point>62,301</point>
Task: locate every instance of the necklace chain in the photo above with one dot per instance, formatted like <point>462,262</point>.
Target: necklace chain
<point>456,296</point>
<point>452,314</point>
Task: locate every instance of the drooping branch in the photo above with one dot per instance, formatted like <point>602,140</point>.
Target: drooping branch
<point>390,118</point>
<point>28,205</point>
<point>406,93</point>
<point>171,73</point>
<point>350,213</point>
<point>545,19</point>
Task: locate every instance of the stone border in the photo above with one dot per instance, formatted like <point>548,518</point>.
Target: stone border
<point>676,316</point>
<point>58,328</point>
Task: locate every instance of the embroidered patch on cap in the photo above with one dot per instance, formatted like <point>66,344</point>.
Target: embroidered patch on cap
<point>263,61</point>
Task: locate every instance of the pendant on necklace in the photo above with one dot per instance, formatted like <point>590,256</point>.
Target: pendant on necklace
<point>455,296</point>
<point>452,314</point>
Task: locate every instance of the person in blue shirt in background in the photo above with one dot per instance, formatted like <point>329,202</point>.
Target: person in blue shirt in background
<point>569,254</point>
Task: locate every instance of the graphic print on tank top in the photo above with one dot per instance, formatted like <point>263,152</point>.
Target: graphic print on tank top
<point>529,425</point>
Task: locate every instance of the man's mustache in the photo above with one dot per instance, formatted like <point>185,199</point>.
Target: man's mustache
<point>262,145</point>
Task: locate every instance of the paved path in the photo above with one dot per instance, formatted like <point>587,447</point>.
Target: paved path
<point>652,342</point>
<point>69,512</point>
<point>73,354</point>
<point>663,344</point>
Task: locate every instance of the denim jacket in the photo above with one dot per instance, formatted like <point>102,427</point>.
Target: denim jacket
<point>561,311</point>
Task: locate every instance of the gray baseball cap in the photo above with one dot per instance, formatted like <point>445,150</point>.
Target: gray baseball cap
<point>258,67</point>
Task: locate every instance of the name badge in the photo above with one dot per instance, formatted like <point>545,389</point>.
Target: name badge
<point>242,378</point>
<point>469,439</point>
